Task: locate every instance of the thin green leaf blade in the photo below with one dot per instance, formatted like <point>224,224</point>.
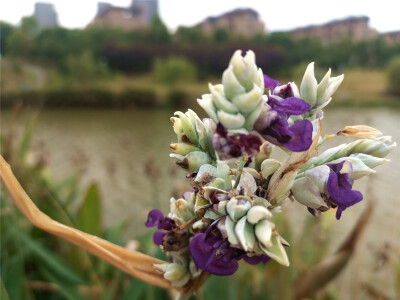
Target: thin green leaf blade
<point>90,213</point>
<point>49,259</point>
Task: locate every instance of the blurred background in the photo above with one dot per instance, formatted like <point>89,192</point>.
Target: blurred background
<point>87,90</point>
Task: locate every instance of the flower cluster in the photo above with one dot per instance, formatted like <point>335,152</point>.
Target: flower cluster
<point>237,189</point>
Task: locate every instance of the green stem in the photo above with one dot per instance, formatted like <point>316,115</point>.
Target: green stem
<point>183,297</point>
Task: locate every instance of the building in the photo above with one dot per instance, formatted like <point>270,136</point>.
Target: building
<point>354,28</point>
<point>147,8</point>
<point>245,22</point>
<point>45,14</point>
<point>392,37</point>
<point>137,16</point>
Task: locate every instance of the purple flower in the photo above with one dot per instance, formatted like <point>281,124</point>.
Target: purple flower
<point>235,145</point>
<point>340,188</point>
<point>212,253</point>
<point>283,102</point>
<point>272,123</point>
<point>156,218</point>
<point>270,83</point>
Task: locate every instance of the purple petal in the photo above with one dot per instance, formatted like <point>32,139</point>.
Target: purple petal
<point>284,91</point>
<point>235,145</point>
<point>205,258</point>
<point>278,132</point>
<point>221,268</point>
<point>301,136</point>
<point>270,83</point>
<point>339,189</point>
<point>166,223</point>
<point>158,237</point>
<point>254,260</point>
<point>154,218</point>
<point>336,167</point>
<point>292,106</point>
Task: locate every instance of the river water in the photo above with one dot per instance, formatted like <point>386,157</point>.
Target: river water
<point>126,152</point>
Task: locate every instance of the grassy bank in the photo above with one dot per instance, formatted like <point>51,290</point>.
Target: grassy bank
<point>44,87</point>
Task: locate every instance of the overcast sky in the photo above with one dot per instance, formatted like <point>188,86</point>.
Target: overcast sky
<point>277,15</point>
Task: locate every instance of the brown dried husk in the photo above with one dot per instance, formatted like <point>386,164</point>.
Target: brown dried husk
<point>135,263</point>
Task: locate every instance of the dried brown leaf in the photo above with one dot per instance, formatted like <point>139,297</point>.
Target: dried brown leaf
<point>134,263</point>
<point>360,131</point>
<point>326,270</point>
<point>288,168</point>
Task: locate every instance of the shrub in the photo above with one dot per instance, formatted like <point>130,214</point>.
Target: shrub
<point>393,74</point>
<point>85,67</point>
<point>136,98</point>
<point>173,70</point>
<point>176,98</point>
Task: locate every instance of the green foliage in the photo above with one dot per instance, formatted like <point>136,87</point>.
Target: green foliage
<point>136,51</point>
<point>189,35</point>
<point>29,25</point>
<point>159,31</point>
<point>20,43</point>
<point>173,70</point>
<point>393,75</point>
<point>220,35</point>
<point>5,30</point>
<point>89,215</point>
<point>85,67</point>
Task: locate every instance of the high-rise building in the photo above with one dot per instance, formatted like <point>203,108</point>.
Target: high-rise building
<point>45,14</point>
<point>137,16</point>
<point>148,8</point>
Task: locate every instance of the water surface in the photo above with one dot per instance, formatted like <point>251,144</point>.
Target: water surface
<point>126,152</point>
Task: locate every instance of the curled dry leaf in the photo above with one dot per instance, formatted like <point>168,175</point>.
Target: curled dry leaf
<point>326,270</point>
<point>360,131</point>
<point>288,169</point>
<point>134,263</point>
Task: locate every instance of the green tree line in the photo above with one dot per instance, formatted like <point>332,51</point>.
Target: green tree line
<point>136,51</point>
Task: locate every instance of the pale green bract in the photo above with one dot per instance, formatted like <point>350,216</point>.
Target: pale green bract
<point>236,103</point>
<point>241,197</point>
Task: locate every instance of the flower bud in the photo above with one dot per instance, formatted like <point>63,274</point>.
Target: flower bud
<point>181,209</point>
<point>192,161</point>
<point>379,147</point>
<point>263,232</point>
<point>269,166</point>
<point>183,148</point>
<point>308,88</point>
<point>237,208</point>
<point>318,95</point>
<point>333,85</point>
<point>245,234</point>
<point>258,213</point>
<point>236,103</point>
<point>188,127</point>
<point>307,193</point>
<point>177,274</point>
